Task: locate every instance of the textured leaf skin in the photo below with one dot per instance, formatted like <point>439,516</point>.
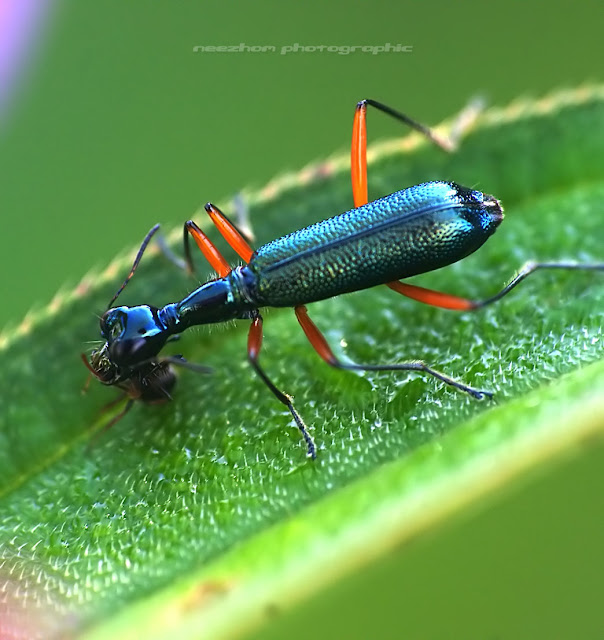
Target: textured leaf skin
<point>155,503</point>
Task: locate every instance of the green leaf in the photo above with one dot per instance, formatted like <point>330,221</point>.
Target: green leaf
<point>197,515</point>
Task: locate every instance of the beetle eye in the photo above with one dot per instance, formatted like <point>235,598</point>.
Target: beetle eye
<point>113,324</point>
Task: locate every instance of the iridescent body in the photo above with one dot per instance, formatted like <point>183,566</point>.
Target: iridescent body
<point>418,229</point>
<point>409,232</point>
<point>412,231</point>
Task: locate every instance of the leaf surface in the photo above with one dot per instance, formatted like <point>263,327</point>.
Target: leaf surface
<point>187,519</point>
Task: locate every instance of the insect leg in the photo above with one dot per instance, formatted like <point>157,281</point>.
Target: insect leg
<point>254,345</point>
<point>242,216</point>
<point>169,254</point>
<point>318,341</point>
<point>241,232</point>
<point>448,301</point>
<point>207,247</point>
<point>129,404</point>
<point>358,150</point>
<point>180,361</point>
<point>229,232</point>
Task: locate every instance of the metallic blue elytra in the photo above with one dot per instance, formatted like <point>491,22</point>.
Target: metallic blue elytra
<point>409,232</point>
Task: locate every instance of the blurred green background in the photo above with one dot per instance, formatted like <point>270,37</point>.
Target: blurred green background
<point>117,125</point>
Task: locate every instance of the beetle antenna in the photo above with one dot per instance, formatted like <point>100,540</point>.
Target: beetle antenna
<point>139,255</point>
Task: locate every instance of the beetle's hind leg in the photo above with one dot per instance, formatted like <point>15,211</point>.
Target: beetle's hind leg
<point>358,148</point>
<point>318,341</point>
<point>449,301</point>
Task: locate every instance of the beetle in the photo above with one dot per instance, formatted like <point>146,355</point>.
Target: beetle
<point>409,232</point>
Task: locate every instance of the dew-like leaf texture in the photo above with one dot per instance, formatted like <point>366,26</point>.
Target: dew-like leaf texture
<point>186,519</point>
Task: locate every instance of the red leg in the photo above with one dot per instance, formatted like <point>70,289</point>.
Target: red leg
<point>318,341</point>
<point>358,150</point>
<point>358,155</point>
<point>254,344</point>
<point>229,232</point>
<point>211,253</point>
<point>433,298</point>
<point>315,337</point>
<point>448,301</point>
